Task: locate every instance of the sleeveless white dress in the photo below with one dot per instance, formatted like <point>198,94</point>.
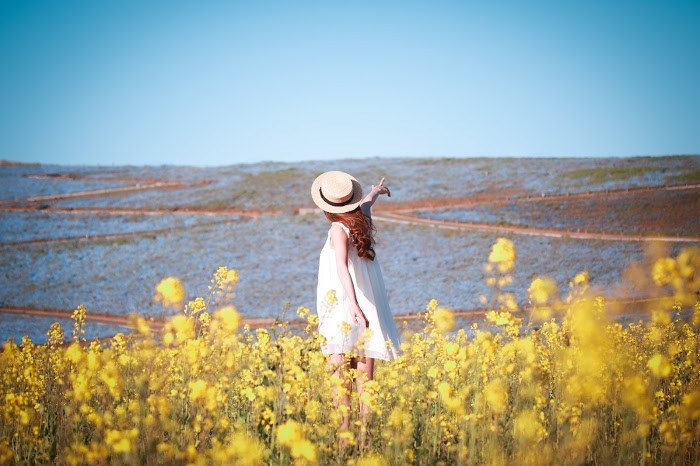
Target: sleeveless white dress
<point>342,334</point>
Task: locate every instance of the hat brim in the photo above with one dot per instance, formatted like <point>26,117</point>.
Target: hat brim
<point>352,203</point>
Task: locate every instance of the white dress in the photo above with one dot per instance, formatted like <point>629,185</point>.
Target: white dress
<point>342,334</point>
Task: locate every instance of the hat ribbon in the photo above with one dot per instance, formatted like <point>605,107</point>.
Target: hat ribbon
<point>337,204</point>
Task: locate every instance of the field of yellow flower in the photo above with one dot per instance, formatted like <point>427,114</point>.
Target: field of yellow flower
<point>556,383</point>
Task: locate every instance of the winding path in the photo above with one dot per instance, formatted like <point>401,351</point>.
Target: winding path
<point>480,199</point>
<point>399,213</point>
<point>621,305</point>
<point>531,231</point>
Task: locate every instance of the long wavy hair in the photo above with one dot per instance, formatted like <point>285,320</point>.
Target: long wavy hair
<point>361,231</point>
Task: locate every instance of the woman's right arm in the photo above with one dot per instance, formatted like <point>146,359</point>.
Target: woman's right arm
<point>340,240</point>
<point>368,201</point>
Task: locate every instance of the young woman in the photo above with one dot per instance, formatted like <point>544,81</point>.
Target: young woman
<point>352,304</point>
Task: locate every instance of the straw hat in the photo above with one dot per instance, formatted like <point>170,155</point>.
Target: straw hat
<point>336,192</point>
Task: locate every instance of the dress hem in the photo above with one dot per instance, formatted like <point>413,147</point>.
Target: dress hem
<point>337,349</point>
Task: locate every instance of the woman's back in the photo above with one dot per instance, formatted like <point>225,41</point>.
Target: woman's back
<point>343,335</point>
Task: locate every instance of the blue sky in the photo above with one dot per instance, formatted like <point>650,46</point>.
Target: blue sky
<point>214,83</point>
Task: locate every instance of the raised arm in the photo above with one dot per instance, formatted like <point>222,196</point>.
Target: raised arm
<point>374,193</point>
<point>339,241</point>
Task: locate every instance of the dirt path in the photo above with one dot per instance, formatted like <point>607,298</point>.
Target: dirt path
<point>400,213</point>
<point>512,198</point>
<point>142,211</point>
<point>617,306</point>
<point>108,191</point>
<point>155,324</point>
<point>140,184</point>
<point>405,219</point>
<point>105,318</point>
<point>112,236</point>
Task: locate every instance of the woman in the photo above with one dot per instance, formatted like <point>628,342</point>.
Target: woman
<point>354,314</point>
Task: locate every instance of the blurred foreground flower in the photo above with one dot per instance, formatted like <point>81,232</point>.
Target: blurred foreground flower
<point>542,290</point>
<point>660,366</point>
<point>444,320</point>
<point>170,292</point>
<point>681,274</point>
<point>225,277</point>
<point>503,255</point>
<point>290,435</point>
<point>229,319</point>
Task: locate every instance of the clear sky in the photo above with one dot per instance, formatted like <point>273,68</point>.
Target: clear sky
<point>213,83</point>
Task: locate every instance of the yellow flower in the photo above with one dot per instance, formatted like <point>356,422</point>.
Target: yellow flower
<point>241,450</point>
<point>331,297</point>
<point>121,441</point>
<point>659,366</point>
<point>450,366</point>
<point>305,450</point>
<point>170,292</point>
<point>225,278</point>
<point>496,395</point>
<point>581,279</point>
<point>660,318</point>
<point>542,290</point>
<point>198,389</point>
<point>503,255</point>
<point>371,460</point>
<point>499,318</point>
<point>289,433</point>
<point>74,353</point>
<point>55,334</point>
<point>183,327</point>
<point>78,317</point>
<point>691,405</point>
<point>229,319</point>
<point>507,300</point>
<point>528,427</point>
<point>664,270</point>
<point>444,320</point>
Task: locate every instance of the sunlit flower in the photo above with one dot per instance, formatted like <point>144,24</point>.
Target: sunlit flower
<point>691,405</point>
<point>664,270</point>
<point>371,460</point>
<point>444,320</point>
<point>305,450</point>
<point>581,279</point>
<point>229,318</point>
<point>496,395</point>
<point>288,433</point>
<point>503,255</point>
<point>508,301</point>
<point>528,427</point>
<point>660,366</point>
<point>170,292</point>
<point>225,277</point>
<point>542,290</point>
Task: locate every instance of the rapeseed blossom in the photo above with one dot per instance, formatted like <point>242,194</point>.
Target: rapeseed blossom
<point>576,388</point>
<point>503,255</point>
<point>170,292</point>
<point>542,290</point>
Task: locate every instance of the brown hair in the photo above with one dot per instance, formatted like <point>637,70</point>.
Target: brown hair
<point>361,231</point>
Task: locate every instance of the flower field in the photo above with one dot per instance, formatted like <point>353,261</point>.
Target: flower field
<point>554,383</point>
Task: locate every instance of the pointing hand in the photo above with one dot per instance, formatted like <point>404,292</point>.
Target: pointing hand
<point>381,189</point>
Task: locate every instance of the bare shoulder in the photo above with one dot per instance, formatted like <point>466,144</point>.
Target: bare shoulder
<point>338,235</point>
